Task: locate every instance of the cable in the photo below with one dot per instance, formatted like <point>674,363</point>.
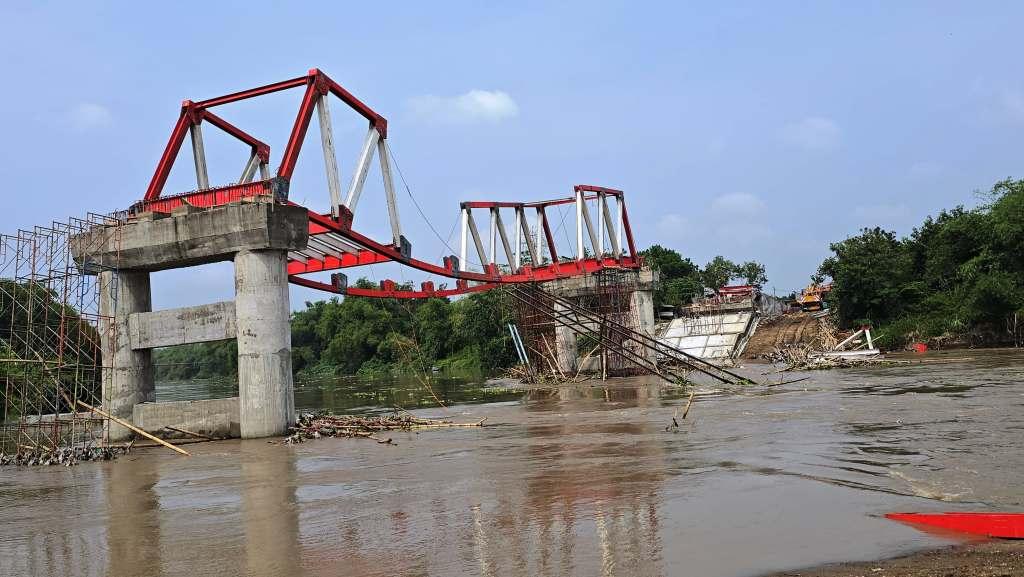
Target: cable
<point>417,205</point>
<point>423,215</point>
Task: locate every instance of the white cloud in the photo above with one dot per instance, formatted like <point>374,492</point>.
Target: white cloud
<point>473,106</point>
<point>812,133</point>
<point>88,115</point>
<point>738,203</point>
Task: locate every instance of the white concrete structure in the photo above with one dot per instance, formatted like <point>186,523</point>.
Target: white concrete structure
<point>713,337</point>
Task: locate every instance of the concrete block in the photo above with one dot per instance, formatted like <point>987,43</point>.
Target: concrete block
<point>213,417</point>
<point>212,322</point>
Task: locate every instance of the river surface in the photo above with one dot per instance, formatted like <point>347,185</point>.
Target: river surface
<point>583,480</point>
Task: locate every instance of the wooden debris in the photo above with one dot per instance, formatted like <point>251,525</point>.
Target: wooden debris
<point>317,425</point>
<point>801,357</point>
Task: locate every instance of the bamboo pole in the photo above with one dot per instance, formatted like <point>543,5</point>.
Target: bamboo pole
<point>133,428</point>
<point>689,402</point>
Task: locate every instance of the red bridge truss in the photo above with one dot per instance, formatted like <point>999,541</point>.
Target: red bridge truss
<point>512,255</point>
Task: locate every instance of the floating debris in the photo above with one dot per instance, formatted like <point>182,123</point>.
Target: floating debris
<point>66,456</point>
<point>801,357</point>
<point>317,425</point>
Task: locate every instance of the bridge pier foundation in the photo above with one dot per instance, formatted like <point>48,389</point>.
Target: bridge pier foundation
<point>265,388</point>
<point>127,377</point>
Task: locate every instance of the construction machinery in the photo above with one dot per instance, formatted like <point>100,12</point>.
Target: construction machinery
<point>813,297</point>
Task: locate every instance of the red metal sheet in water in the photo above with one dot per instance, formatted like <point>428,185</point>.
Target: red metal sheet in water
<point>1004,525</point>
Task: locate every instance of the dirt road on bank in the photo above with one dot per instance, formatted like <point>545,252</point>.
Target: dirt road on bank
<point>787,329</point>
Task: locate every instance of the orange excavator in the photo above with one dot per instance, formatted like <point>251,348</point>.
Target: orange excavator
<point>813,297</point>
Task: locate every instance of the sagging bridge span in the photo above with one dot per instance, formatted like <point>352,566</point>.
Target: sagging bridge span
<point>514,253</point>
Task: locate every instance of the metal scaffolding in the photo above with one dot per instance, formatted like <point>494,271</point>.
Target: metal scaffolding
<point>50,345</point>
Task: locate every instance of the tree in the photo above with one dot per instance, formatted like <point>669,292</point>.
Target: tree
<point>753,273</point>
<point>869,273</point>
<point>680,277</point>
<point>717,273</point>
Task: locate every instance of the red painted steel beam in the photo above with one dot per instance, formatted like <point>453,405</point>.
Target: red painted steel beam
<point>163,168</point>
<point>378,121</point>
<point>595,189</point>
<point>298,133</point>
<point>253,92</point>
<point>332,262</point>
<point>261,149</point>
<point>544,274</point>
<point>205,198</point>
<point>535,204</point>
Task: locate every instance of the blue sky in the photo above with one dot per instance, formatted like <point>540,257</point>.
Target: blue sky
<point>753,130</point>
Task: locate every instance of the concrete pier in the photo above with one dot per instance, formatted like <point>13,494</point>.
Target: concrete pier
<point>127,378</point>
<point>265,388</point>
<point>257,236</point>
<point>566,346</point>
<point>640,285</point>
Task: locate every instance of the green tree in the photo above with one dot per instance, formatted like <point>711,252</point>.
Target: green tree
<point>717,273</point>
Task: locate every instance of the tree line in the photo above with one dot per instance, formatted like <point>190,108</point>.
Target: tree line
<point>371,337</point>
<point>959,276</point>
<point>682,280</point>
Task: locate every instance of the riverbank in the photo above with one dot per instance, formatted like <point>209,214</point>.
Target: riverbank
<point>979,559</point>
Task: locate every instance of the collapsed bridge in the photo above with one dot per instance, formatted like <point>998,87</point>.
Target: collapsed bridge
<point>272,241</point>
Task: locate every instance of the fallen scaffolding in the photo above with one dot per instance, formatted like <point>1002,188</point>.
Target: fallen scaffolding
<point>50,347</point>
<point>540,311</point>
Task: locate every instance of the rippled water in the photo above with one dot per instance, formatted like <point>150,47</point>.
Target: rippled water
<point>577,481</point>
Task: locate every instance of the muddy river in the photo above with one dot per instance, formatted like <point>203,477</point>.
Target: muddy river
<point>580,481</point>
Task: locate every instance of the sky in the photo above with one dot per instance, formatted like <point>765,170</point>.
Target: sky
<point>753,130</point>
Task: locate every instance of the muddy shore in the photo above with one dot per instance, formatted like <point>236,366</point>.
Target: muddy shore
<point>981,559</point>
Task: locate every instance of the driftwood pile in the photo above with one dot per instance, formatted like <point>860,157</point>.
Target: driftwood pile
<point>66,456</point>
<point>317,425</point>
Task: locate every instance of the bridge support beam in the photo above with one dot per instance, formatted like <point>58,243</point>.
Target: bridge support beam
<point>265,389</point>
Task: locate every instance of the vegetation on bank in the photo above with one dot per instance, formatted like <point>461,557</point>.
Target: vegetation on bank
<point>682,280</point>
<point>372,337</point>
<point>957,278</point>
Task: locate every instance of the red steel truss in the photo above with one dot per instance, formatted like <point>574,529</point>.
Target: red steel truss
<point>334,245</point>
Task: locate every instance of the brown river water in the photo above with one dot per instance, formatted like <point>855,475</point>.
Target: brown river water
<point>581,481</point>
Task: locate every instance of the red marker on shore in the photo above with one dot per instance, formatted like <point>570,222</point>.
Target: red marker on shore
<point>1001,525</point>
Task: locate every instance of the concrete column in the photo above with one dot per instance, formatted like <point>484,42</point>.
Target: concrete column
<point>265,391</point>
<point>641,304</point>
<point>127,375</point>
<point>565,345</point>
